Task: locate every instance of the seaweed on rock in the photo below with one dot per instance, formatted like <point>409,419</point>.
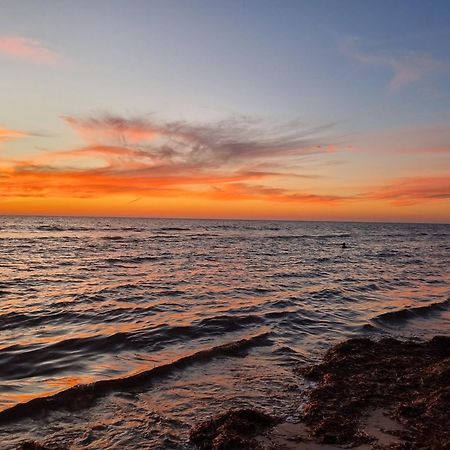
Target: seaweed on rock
<point>410,380</point>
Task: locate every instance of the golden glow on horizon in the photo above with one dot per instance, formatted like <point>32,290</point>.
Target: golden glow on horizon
<point>195,207</point>
<point>131,167</point>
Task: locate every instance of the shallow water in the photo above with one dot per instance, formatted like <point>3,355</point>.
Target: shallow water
<point>87,299</point>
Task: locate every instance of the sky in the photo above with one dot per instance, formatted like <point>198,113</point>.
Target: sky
<point>296,110</point>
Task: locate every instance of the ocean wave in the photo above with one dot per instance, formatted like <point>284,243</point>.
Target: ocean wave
<point>17,319</point>
<point>171,229</point>
<point>134,229</point>
<point>61,228</point>
<point>11,320</point>
<point>49,228</point>
<point>391,253</point>
<point>196,236</point>
<point>81,396</point>
<point>327,294</point>
<point>230,322</point>
<point>310,236</point>
<point>370,287</point>
<point>280,314</point>
<point>132,259</point>
<point>405,314</point>
<point>23,361</point>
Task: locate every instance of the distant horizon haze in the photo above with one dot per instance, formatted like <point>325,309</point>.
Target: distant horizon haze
<point>225,219</point>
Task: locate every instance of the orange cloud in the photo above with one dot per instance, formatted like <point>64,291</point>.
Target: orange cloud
<point>39,181</point>
<point>412,190</point>
<point>27,49</point>
<point>7,134</point>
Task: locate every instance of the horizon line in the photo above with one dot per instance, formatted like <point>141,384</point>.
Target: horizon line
<point>222,219</point>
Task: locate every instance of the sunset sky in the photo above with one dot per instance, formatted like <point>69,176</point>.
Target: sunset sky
<point>308,110</point>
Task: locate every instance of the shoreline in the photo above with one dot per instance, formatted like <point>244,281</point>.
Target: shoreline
<point>365,394</point>
<point>385,394</point>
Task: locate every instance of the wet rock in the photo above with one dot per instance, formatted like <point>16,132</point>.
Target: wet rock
<point>234,430</point>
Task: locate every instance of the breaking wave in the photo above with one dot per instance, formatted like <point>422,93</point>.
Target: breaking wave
<point>83,395</point>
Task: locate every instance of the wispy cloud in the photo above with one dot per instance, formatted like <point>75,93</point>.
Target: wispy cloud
<point>26,49</point>
<point>242,191</point>
<point>151,148</point>
<point>406,68</point>
<point>413,190</point>
<point>235,141</point>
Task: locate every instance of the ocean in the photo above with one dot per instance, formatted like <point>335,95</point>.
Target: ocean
<point>178,320</point>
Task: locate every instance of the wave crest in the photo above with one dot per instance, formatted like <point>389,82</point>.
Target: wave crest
<point>83,395</point>
<point>405,314</point>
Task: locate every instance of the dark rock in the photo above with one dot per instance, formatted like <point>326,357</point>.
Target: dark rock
<point>33,445</point>
<point>234,430</point>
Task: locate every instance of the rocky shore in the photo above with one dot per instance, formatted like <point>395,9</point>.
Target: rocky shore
<point>385,394</point>
<point>365,394</point>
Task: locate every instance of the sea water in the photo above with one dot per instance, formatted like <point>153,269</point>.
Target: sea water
<point>180,320</point>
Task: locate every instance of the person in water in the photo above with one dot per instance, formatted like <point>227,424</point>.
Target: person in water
<point>344,245</point>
